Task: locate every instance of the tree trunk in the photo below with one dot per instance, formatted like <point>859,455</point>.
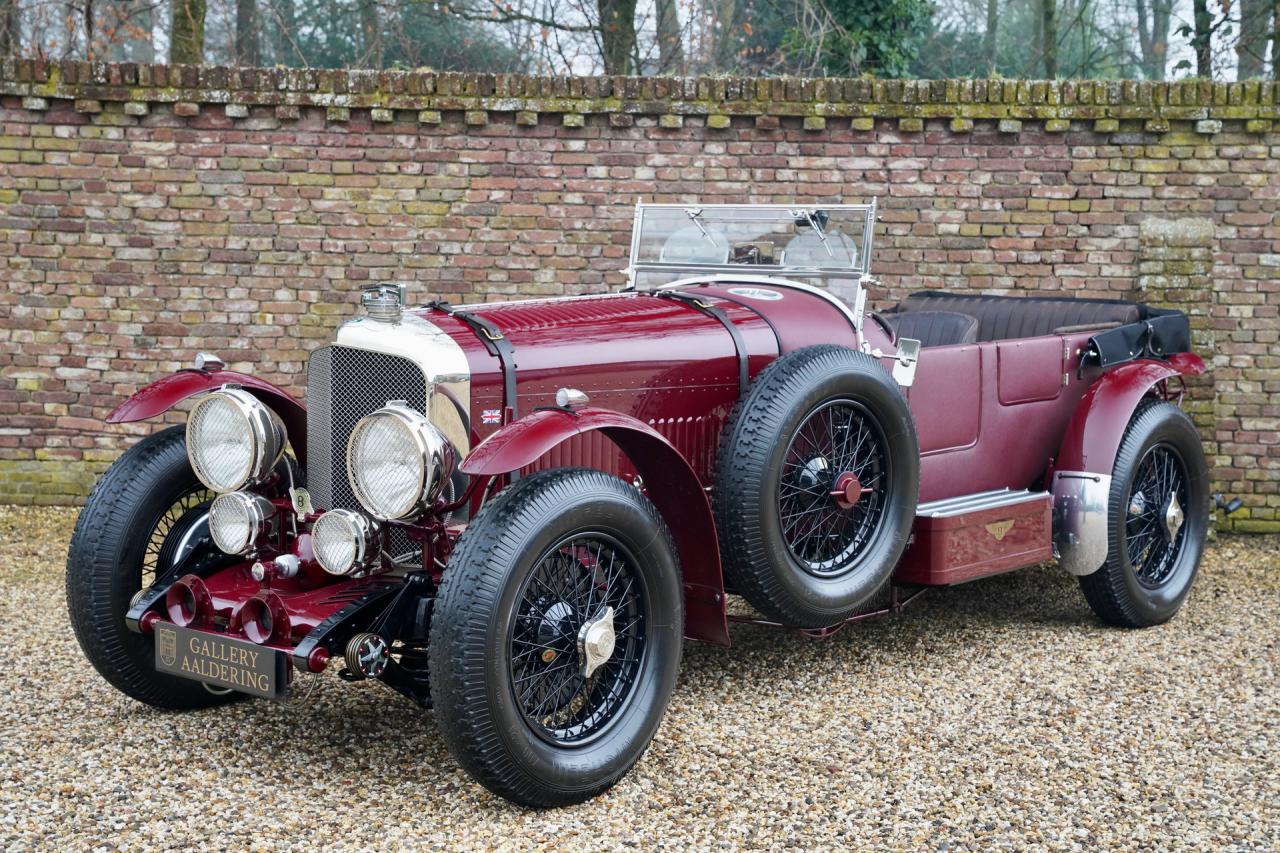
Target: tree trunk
<point>670,44</point>
<point>1255,32</point>
<point>371,33</point>
<point>1049,37</point>
<point>10,43</point>
<point>89,30</point>
<point>617,34</point>
<point>727,15</point>
<point>186,35</point>
<point>286,28</point>
<point>1203,38</point>
<point>989,41</point>
<point>1153,36</point>
<point>1275,40</point>
<point>247,33</point>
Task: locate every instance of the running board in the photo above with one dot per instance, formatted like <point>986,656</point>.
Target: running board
<point>972,536</point>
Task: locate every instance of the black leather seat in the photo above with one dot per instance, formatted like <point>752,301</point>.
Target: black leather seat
<point>934,328</point>
<point>1004,317</point>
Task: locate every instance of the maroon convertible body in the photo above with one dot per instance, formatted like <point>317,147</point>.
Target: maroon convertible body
<point>514,512</point>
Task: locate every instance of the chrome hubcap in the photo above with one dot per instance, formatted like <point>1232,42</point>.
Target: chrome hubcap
<point>1173,517</point>
<point>596,640</point>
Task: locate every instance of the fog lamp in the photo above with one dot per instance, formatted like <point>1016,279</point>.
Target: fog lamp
<point>237,520</point>
<point>344,541</point>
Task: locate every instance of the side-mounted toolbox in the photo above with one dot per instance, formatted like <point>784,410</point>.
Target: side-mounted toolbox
<point>972,536</point>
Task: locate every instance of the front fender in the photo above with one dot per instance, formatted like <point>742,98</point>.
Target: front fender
<point>1081,483</point>
<point>669,482</point>
<point>165,393</point>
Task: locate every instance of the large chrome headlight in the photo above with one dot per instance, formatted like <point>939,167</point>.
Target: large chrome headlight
<point>233,440</point>
<point>344,541</point>
<point>397,462</point>
<point>237,520</point>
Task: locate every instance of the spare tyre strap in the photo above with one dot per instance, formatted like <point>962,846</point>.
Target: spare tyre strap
<point>699,303</point>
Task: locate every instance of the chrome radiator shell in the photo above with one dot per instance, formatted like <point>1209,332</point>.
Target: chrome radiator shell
<point>370,363</point>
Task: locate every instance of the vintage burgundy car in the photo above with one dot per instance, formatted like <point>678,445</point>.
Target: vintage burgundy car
<point>516,512</point>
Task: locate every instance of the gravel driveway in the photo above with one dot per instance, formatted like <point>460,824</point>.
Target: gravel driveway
<point>995,714</point>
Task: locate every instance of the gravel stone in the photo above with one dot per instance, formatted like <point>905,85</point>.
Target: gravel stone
<point>998,714</point>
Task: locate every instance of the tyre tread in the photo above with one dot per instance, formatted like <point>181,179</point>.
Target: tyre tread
<point>467,597</point>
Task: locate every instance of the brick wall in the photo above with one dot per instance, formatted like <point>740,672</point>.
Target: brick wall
<point>147,213</point>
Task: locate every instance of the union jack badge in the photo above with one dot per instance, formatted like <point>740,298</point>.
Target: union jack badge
<point>491,416</point>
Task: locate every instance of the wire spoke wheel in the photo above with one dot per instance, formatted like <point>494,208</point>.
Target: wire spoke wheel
<point>1154,532</point>
<point>834,487</point>
<point>146,516</point>
<point>172,535</point>
<point>565,694</point>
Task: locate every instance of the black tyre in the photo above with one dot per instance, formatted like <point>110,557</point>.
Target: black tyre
<point>540,565</point>
<point>816,485</point>
<point>1157,520</point>
<point>141,518</point>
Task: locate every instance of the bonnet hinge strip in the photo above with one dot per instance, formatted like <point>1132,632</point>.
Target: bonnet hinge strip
<point>699,303</point>
<point>496,343</point>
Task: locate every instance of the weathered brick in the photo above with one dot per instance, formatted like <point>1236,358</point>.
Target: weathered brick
<point>250,238</point>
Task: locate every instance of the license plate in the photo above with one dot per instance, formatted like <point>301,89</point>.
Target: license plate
<point>220,661</point>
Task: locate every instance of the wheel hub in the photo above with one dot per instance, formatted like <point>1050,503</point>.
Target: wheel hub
<point>555,622</point>
<point>812,476</point>
<point>596,641</point>
<point>1173,517</point>
<point>847,490</point>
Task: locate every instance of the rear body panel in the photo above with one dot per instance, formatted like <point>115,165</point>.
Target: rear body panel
<point>992,415</point>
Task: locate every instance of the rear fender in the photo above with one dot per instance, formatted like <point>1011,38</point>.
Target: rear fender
<point>1082,472</point>
<point>163,394</point>
<point>669,482</point>
<point>1093,436</point>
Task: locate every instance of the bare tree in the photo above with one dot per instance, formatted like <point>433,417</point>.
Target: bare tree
<point>286,24</point>
<point>10,36</point>
<point>670,38</point>
<point>1255,33</point>
<point>371,34</point>
<point>1202,40</point>
<point>247,23</point>
<point>989,39</point>
<point>1048,32</point>
<point>617,34</point>
<point>186,33</point>
<point>1153,36</point>
<point>1275,40</point>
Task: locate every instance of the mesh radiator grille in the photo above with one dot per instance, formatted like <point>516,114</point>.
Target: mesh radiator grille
<point>344,385</point>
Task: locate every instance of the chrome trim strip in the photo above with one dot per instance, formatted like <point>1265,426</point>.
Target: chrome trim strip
<point>947,507</point>
<point>1081,534</point>
<point>437,354</point>
<point>768,280</point>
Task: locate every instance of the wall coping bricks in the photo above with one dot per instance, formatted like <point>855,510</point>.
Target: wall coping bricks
<point>1105,102</point>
